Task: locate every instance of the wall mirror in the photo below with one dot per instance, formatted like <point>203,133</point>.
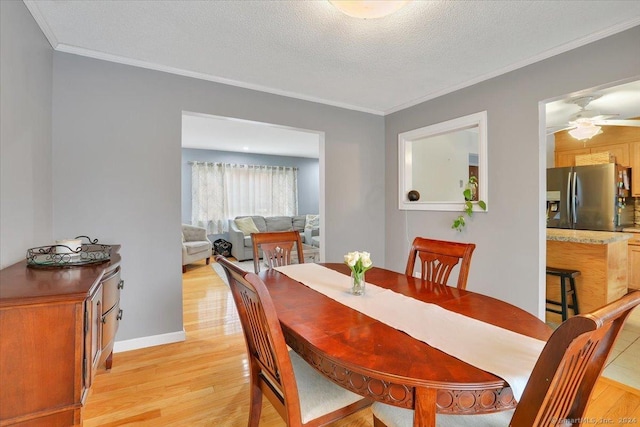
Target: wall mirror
<point>435,163</point>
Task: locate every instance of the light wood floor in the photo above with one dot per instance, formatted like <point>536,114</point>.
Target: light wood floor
<point>203,381</point>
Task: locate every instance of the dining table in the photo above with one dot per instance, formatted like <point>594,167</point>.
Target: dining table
<point>383,363</point>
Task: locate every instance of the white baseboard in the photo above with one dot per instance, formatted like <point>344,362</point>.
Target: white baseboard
<point>144,342</point>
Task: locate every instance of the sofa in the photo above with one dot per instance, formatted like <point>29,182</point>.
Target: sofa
<point>195,245</point>
<point>242,247</point>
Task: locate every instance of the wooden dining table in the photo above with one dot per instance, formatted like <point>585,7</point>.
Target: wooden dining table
<point>380,362</point>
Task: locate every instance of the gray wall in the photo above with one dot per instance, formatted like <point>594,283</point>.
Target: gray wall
<point>25,134</point>
<point>117,172</point>
<point>308,175</point>
<point>510,255</point>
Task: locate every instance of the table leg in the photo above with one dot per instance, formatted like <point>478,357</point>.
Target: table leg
<point>425,407</point>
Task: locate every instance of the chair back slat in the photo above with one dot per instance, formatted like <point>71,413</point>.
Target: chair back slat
<point>277,254</point>
<point>436,269</point>
<point>438,259</point>
<point>260,340</point>
<point>276,248</point>
<point>571,362</point>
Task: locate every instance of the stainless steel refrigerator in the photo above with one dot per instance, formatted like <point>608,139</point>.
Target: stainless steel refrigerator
<point>594,197</point>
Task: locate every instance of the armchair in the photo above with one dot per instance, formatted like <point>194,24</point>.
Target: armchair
<point>195,245</point>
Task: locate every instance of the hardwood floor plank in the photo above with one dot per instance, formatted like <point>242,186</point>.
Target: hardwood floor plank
<point>204,380</point>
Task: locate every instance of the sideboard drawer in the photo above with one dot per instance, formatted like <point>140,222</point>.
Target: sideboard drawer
<point>111,285</point>
<point>110,322</point>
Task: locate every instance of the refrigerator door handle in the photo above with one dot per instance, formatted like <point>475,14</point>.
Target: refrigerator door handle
<point>569,200</point>
<point>574,198</point>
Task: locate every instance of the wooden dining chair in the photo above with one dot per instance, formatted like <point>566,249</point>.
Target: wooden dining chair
<point>276,248</point>
<point>301,395</point>
<point>561,382</point>
<point>438,258</point>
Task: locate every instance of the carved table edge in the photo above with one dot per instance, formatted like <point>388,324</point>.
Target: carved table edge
<point>449,401</point>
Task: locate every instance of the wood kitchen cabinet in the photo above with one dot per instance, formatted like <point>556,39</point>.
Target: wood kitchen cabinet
<point>57,326</point>
<point>568,157</point>
<point>620,151</point>
<point>634,262</point>
<point>635,168</point>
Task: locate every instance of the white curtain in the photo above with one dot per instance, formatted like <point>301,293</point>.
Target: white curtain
<point>220,192</point>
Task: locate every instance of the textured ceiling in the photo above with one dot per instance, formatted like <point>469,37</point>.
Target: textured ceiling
<point>310,50</point>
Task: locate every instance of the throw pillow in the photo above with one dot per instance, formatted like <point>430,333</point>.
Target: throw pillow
<point>246,225</point>
<point>312,221</point>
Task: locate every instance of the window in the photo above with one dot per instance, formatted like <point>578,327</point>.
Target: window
<point>221,191</point>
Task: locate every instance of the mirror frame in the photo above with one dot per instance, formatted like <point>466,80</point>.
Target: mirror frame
<point>405,165</point>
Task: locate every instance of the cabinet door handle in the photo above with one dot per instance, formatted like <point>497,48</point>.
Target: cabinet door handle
<point>119,316</point>
<point>121,284</point>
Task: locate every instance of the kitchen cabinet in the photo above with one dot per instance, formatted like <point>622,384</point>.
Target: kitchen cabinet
<point>634,261</point>
<point>620,151</point>
<point>57,327</point>
<point>635,168</point>
<point>568,157</point>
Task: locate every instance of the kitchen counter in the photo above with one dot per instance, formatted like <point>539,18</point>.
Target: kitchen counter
<point>600,256</point>
<point>586,236</point>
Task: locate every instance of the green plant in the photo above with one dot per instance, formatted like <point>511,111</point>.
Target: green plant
<point>468,193</point>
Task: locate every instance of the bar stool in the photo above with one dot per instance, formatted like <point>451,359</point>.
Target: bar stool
<point>564,275</point>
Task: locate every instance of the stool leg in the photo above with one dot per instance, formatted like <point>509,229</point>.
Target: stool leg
<point>572,283</point>
<point>563,298</point>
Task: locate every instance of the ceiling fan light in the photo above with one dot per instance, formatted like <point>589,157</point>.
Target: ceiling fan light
<point>368,9</point>
<point>586,131</point>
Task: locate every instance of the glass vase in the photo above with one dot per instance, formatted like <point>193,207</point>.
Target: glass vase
<point>357,283</point>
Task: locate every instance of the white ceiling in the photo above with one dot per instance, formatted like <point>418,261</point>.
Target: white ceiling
<point>310,50</point>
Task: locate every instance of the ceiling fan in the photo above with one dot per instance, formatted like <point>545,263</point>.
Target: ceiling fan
<point>585,124</point>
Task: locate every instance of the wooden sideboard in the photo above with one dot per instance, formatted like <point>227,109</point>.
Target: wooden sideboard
<point>57,326</point>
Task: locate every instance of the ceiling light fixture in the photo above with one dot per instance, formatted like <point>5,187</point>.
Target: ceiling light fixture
<point>584,131</point>
<point>368,9</point>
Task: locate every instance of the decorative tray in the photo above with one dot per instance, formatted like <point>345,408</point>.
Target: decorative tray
<point>62,256</point>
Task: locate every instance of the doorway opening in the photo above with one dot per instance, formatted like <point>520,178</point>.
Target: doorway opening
<point>609,110</point>
<point>228,140</point>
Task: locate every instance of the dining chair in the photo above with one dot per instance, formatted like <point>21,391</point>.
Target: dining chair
<point>438,258</point>
<point>561,382</point>
<point>276,248</point>
<point>301,395</point>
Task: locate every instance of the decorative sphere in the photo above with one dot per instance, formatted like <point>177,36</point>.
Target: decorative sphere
<point>413,196</point>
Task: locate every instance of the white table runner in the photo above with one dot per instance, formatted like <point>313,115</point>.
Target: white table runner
<point>504,353</point>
